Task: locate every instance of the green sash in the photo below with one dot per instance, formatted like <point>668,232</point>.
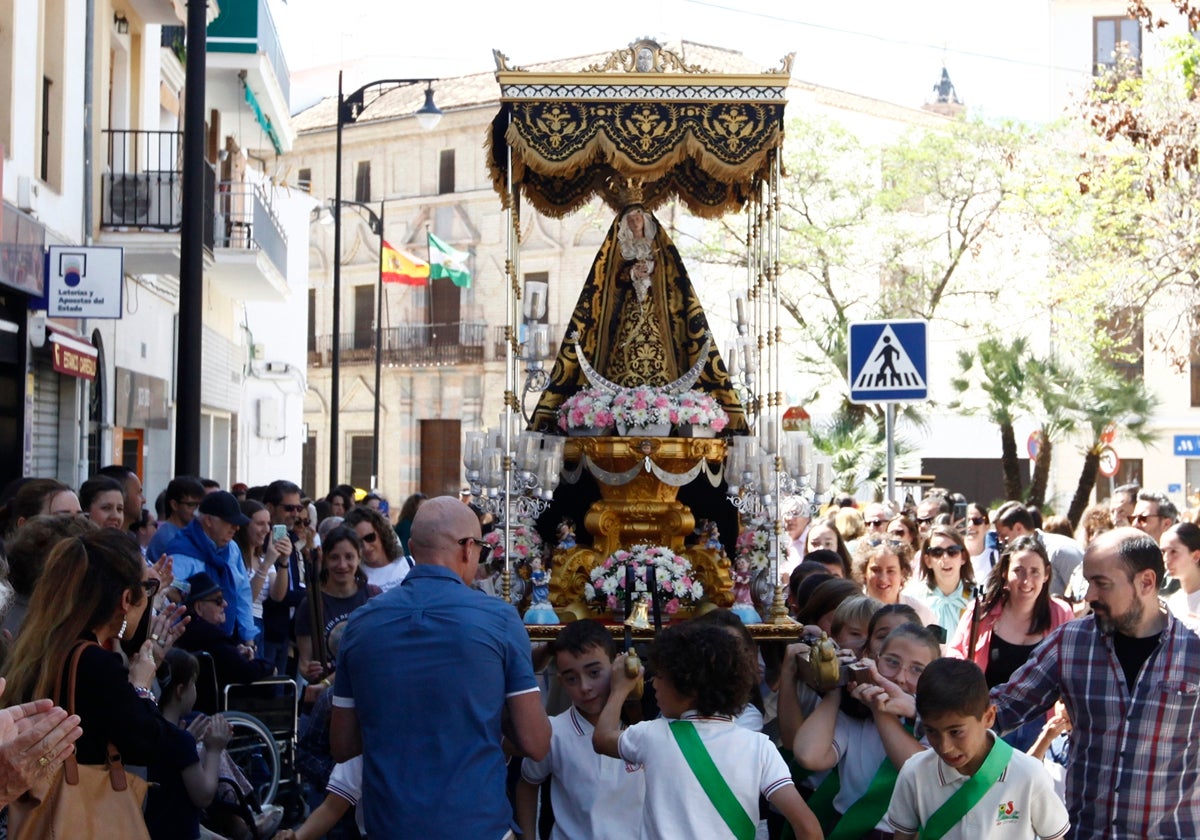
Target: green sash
<point>867,810</point>
<point>711,780</point>
<point>967,797</point>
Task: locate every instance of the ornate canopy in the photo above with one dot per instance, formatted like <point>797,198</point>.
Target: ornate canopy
<point>643,118</point>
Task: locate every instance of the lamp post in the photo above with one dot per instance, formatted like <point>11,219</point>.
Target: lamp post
<point>349,108</point>
<point>376,224</point>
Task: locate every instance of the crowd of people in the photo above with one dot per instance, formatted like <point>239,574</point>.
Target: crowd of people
<point>999,675</point>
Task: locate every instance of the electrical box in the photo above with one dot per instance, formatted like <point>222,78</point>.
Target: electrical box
<point>268,418</point>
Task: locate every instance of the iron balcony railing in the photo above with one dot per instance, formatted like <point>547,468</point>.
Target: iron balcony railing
<point>142,185</point>
<point>246,219</point>
<point>407,345</point>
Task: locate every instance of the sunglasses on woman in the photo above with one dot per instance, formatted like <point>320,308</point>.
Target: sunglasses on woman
<point>937,552</point>
<point>150,585</point>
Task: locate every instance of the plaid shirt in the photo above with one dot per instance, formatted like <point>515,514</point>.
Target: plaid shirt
<point>1134,768</point>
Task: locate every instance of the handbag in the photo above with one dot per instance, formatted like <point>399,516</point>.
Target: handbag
<point>81,800</point>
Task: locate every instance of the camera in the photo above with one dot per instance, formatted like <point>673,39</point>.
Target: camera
<point>821,669</point>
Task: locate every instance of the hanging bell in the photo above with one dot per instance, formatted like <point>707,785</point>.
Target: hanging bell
<point>640,619</point>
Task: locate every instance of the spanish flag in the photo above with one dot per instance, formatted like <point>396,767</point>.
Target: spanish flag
<point>398,266</point>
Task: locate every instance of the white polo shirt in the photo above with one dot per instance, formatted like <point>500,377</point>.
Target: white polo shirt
<point>676,804</point>
<point>594,795</point>
<point>345,781</point>
<point>1021,804</point>
<point>860,751</point>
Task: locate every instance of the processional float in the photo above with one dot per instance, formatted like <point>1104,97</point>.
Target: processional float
<point>642,426</point>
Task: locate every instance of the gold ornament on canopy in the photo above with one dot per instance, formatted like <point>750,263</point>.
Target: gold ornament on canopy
<point>706,138</point>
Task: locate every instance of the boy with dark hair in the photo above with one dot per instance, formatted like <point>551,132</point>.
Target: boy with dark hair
<point>702,770</point>
<point>594,796</point>
<point>971,784</point>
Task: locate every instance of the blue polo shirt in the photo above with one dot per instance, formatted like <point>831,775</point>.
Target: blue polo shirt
<point>427,667</point>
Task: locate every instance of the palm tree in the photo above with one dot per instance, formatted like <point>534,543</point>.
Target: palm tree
<point>999,369</point>
<point>1107,396</point>
<point>1054,392</point>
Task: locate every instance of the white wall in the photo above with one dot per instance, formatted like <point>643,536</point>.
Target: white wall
<point>282,330</point>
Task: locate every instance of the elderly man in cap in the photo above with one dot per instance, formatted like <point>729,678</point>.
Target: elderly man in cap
<point>234,663</point>
<point>206,545</point>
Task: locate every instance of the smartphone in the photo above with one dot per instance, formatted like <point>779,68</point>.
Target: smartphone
<point>860,674</point>
<point>278,532</point>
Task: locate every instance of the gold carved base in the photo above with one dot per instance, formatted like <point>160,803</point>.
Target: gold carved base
<point>644,510</point>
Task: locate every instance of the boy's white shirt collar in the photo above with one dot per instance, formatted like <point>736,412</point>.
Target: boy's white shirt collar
<point>692,714</point>
<point>947,775</point>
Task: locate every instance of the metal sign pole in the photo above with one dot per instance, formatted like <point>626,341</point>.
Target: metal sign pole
<point>891,451</point>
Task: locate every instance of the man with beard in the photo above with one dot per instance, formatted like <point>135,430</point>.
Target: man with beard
<point>1129,675</point>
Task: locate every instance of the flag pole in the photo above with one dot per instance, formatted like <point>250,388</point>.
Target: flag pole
<point>378,354</point>
<point>429,296</point>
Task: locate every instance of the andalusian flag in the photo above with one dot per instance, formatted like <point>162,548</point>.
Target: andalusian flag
<point>402,267</point>
<point>448,262</point>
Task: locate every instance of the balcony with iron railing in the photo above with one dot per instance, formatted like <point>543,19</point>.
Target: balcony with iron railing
<point>141,194</point>
<point>251,244</point>
<point>406,345</point>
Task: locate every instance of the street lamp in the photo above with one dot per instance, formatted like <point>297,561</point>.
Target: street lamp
<point>375,223</point>
<point>349,108</point>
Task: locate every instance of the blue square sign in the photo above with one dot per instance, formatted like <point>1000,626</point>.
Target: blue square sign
<point>887,361</point>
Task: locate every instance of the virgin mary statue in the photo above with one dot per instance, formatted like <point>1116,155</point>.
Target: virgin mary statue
<point>638,321</point>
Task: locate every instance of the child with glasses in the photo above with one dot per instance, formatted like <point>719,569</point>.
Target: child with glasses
<point>947,582</point>
<point>868,741</point>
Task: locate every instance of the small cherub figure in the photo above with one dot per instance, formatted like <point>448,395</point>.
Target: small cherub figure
<point>742,576</point>
<point>743,600</point>
<point>566,535</point>
<point>540,580</point>
<point>712,536</point>
<point>540,610</point>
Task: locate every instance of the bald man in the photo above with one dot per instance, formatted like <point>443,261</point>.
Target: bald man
<point>424,673</point>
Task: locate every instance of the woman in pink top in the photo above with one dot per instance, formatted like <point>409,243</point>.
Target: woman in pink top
<point>1016,614</point>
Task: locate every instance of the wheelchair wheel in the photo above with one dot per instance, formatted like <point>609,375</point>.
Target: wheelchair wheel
<point>254,750</point>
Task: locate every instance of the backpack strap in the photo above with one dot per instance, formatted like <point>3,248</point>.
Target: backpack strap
<point>711,780</point>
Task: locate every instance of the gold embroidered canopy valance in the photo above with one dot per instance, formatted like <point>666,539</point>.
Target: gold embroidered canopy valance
<point>643,116</point>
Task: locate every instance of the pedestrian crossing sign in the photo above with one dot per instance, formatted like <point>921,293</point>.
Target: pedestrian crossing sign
<point>887,361</point>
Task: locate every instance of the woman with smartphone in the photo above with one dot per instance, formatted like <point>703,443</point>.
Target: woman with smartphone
<point>262,547</point>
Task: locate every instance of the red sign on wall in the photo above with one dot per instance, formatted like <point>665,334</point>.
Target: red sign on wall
<point>73,357</point>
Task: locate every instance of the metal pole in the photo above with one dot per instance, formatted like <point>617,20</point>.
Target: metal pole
<point>335,355</point>
<point>191,249</point>
<point>378,354</point>
<point>891,451</point>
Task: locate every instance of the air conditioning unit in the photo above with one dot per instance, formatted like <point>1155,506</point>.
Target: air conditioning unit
<point>28,191</point>
<point>268,418</point>
<point>143,199</point>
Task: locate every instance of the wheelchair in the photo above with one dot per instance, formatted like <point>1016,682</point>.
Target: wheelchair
<point>264,718</point>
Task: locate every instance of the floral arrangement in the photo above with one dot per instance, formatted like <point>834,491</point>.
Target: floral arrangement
<point>673,574</point>
<point>699,409</point>
<point>642,406</point>
<point>526,543</point>
<point>590,408</point>
<point>754,543</point>
<point>637,408</point>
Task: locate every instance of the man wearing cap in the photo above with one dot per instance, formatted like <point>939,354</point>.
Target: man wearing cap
<point>207,606</point>
<point>206,545</point>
